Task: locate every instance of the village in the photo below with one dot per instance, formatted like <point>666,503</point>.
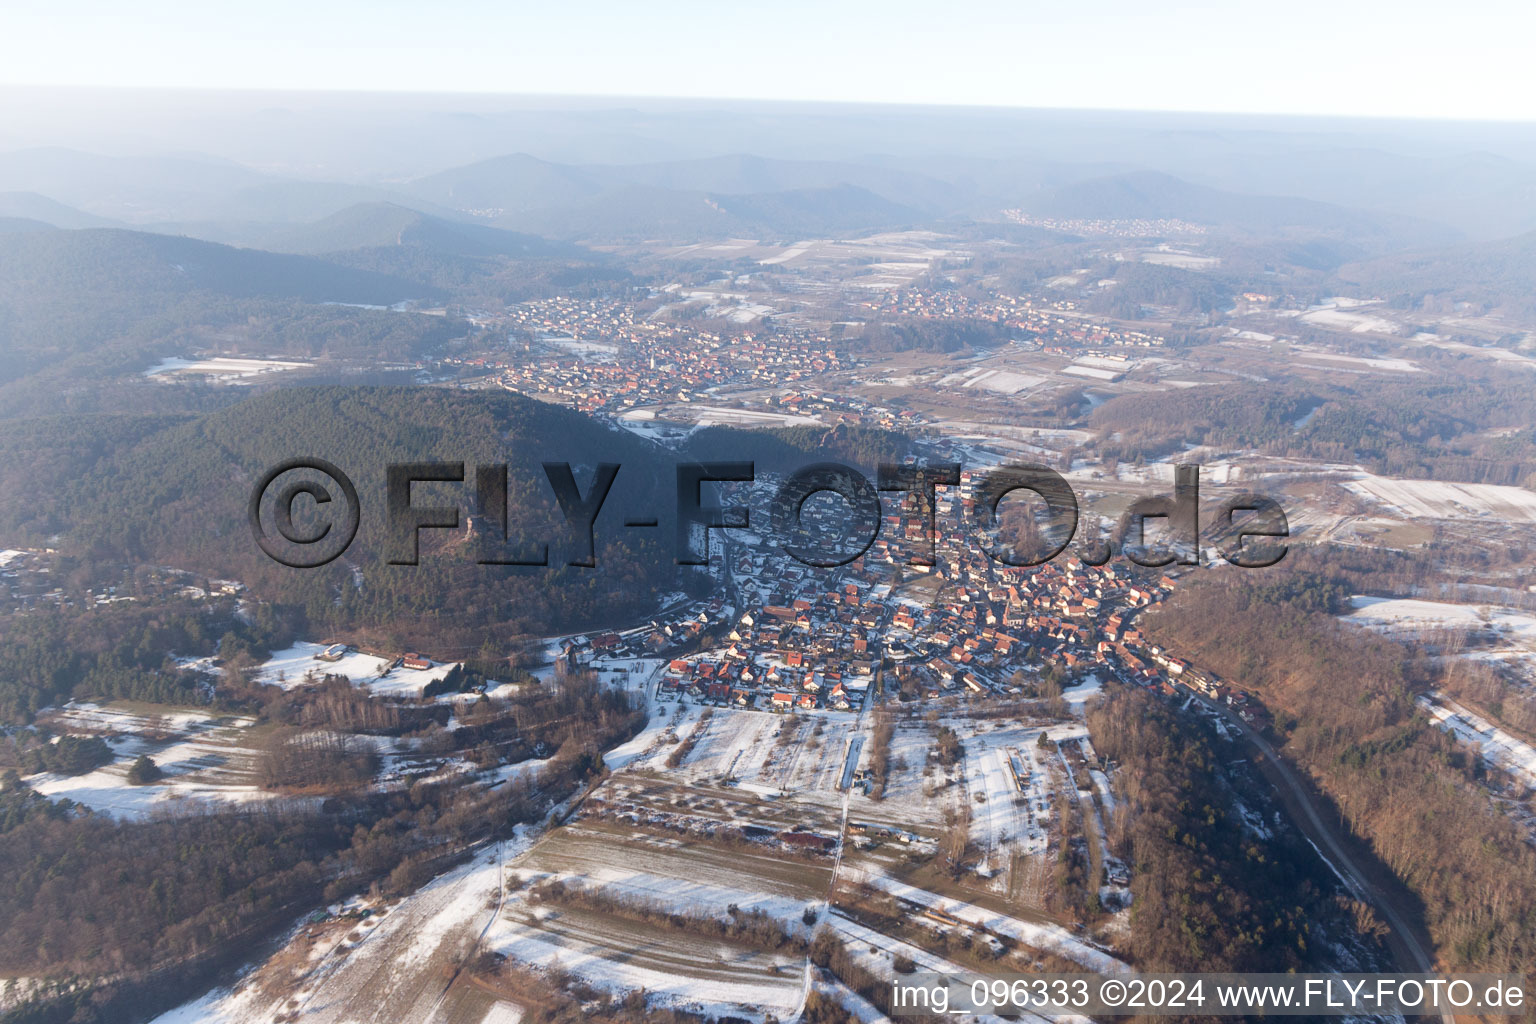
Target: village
<point>603,355</point>
<point>807,639</point>
<point>611,357</point>
<point>1055,325</point>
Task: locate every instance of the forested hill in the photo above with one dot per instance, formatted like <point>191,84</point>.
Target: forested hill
<point>46,268</point>
<point>1343,704</point>
<point>173,490</point>
<point>470,263</point>
<point>34,207</point>
<point>80,307</point>
<point>1415,426</point>
<point>65,292</point>
<point>641,212</point>
<point>1150,195</point>
<point>376,225</point>
<point>1492,275</point>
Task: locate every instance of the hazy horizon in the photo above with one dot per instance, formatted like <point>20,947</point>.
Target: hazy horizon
<point>353,135</point>
<point>1317,58</point>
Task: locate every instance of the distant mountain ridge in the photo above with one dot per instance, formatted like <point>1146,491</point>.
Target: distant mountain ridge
<point>645,212</point>
<point>715,197</point>
<point>1496,275</point>
<point>385,224</point>
<point>23,225</point>
<point>711,197</point>
<point>520,182</point>
<point>1152,195</point>
<point>506,184</point>
<point>32,206</point>
<point>151,187</point>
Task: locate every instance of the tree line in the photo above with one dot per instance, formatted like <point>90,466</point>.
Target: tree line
<point>1343,704</point>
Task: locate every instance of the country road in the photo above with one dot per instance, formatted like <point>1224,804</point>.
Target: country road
<point>1406,947</point>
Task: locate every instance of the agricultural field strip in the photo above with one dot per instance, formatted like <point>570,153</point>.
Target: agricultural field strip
<point>1052,938</point>
<point>1430,499</point>
<point>578,849</point>
<point>681,895</point>
<point>861,939</point>
<point>621,955</point>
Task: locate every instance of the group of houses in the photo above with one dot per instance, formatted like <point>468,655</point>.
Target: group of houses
<point>600,354</point>
<point>929,620</point>
<point>821,639</point>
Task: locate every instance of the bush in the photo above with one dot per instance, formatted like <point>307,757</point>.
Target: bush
<point>145,771</point>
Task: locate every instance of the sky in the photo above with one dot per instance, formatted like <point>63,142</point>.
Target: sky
<point>1409,58</point>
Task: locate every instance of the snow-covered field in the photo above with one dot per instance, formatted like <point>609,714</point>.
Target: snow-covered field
<point>1166,257</point>
<point>793,252</point>
<point>393,970</point>
<point>673,968</point>
<point>1219,471</point>
<point>1410,613</point>
<point>1498,748</point>
<point>615,852</point>
<point>649,747</point>
<point>712,415</point>
<point>1433,499</point>
<point>1006,822</point>
<point>205,758</point>
<point>298,664</point>
<point>1372,362</point>
<point>1048,937</point>
<point>1003,381</point>
<point>222,368</point>
<point>913,802</point>
<point>503,1012</point>
<point>738,745</point>
<point>1095,372</point>
<point>681,895</point>
<point>1342,320</point>
<point>1079,696</point>
<point>1411,616</point>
